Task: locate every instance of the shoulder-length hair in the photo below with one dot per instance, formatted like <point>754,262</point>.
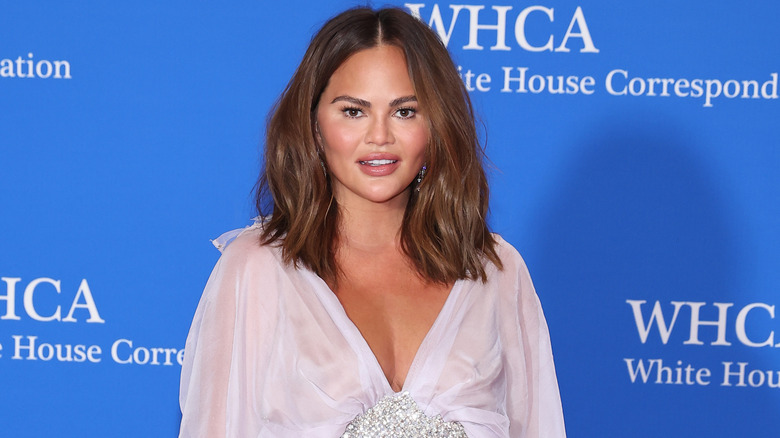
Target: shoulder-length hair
<point>444,232</point>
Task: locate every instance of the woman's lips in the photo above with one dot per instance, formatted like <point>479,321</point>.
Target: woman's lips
<point>378,166</point>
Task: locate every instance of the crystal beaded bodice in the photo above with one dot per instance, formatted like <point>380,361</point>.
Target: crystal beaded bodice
<point>398,416</point>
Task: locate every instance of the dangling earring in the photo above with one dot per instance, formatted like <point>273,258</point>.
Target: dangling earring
<point>319,151</point>
<point>322,165</point>
<point>420,176</point>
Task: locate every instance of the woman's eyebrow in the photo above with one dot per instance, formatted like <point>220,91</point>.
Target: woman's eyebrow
<point>404,99</point>
<point>352,100</point>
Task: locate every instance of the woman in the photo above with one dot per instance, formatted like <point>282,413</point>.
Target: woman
<point>373,292</point>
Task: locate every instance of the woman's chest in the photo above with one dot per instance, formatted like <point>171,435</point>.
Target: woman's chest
<point>393,313</point>
<point>321,369</point>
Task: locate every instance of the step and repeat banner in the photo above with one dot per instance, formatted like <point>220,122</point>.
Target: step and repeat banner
<point>634,154</point>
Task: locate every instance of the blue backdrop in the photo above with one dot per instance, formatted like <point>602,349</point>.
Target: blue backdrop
<point>634,156</point>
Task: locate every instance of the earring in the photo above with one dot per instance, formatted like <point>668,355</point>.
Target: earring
<point>322,165</point>
<point>319,151</point>
<point>420,176</point>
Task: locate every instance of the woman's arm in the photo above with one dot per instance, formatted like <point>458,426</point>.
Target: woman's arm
<point>224,359</point>
<point>533,399</point>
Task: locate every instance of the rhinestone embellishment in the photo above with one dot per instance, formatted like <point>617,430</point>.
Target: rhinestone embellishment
<point>398,416</point>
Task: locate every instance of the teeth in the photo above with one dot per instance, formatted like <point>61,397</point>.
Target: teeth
<point>378,162</point>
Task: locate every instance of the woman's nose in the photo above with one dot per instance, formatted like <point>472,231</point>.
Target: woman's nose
<point>379,132</point>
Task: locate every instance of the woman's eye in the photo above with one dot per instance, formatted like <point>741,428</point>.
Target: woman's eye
<point>406,113</point>
<point>352,112</point>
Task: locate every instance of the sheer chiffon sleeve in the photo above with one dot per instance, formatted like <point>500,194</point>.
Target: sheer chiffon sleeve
<point>533,399</point>
<point>222,352</point>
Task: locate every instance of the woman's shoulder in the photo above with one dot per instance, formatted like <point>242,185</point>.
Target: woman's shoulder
<point>513,281</point>
<point>247,268</point>
<point>244,246</point>
<point>510,257</point>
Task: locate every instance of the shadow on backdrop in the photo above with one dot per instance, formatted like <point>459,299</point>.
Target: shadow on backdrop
<point>637,216</point>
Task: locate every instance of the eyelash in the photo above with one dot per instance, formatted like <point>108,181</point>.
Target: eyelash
<point>349,109</point>
<point>413,112</point>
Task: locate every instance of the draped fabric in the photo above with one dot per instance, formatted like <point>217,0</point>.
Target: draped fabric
<point>271,353</point>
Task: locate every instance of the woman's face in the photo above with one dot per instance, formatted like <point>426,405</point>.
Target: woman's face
<point>371,130</point>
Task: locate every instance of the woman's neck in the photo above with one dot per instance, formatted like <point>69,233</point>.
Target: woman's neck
<point>371,226</point>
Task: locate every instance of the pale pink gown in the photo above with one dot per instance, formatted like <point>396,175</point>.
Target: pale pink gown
<point>271,353</point>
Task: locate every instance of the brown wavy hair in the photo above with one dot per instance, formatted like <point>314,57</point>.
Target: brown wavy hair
<point>444,232</point>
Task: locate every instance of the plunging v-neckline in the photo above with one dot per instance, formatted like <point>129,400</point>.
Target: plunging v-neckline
<point>355,337</point>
